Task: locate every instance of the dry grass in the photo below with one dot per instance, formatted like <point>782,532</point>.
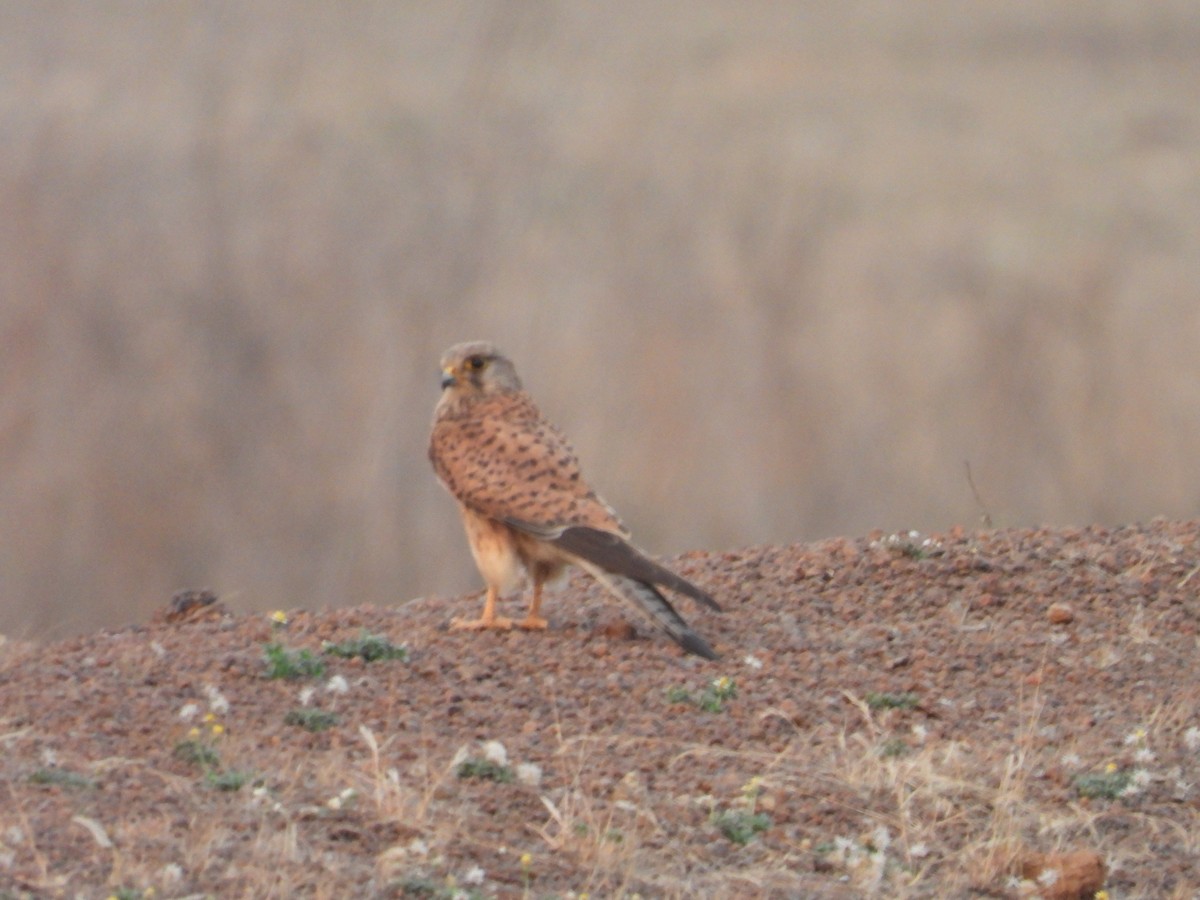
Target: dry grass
<point>602,834</point>
<point>938,818</point>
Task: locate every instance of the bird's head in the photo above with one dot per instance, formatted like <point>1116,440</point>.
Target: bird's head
<point>477,368</point>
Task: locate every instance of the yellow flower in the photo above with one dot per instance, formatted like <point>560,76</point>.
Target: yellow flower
<point>208,717</point>
<point>218,729</point>
<point>279,617</point>
<point>193,732</point>
<point>526,860</point>
<point>1110,768</point>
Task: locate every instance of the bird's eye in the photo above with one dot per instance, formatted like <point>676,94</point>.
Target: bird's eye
<point>476,362</point>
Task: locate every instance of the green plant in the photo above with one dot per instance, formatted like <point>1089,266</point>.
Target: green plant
<point>197,753</point>
<point>424,886</point>
<point>904,700</point>
<point>1107,785</point>
<point>893,747</point>
<point>713,697</point>
<point>910,544</point>
<point>740,825</point>
<point>484,768</point>
<point>370,647</point>
<point>678,694</point>
<point>228,780</point>
<point>419,886</point>
<point>62,778</point>
<point>291,664</point>
<point>310,719</point>
<point>200,752</point>
<point>718,691</point>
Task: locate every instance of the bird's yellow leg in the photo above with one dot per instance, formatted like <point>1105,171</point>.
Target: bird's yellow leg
<point>532,621</point>
<point>489,619</point>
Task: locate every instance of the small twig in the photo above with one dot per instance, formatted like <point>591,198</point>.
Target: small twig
<point>986,517</point>
<point>1188,576</point>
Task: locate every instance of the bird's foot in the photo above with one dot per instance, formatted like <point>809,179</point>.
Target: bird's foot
<point>499,623</point>
<point>533,623</point>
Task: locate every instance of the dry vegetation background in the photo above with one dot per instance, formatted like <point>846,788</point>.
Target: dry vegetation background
<point>778,269</point>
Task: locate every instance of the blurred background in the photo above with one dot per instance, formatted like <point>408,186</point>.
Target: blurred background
<point>780,270</point>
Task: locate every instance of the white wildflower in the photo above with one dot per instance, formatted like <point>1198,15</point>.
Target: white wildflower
<point>343,799</point>
<point>845,851</point>
<point>1144,755</point>
<point>1191,738</point>
<point>306,694</point>
<point>918,851</point>
<point>337,685</point>
<point>261,796</point>
<point>189,711</point>
<point>920,732</point>
<point>473,876</point>
<point>1048,878</point>
<point>753,662</point>
<point>216,700</point>
<point>1071,760</point>
<point>529,773</point>
<point>494,752</point>
<point>1141,778</point>
<point>1135,737</point>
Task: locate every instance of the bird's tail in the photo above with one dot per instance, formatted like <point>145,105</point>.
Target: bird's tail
<point>649,601</point>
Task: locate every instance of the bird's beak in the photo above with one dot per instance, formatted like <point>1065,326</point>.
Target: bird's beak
<point>447,378</point>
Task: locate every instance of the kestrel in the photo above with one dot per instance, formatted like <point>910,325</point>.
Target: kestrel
<point>524,502</point>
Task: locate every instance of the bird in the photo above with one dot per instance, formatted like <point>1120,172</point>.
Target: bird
<point>525,505</point>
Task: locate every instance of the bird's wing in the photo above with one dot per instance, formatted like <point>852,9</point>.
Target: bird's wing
<point>506,462</point>
<point>644,597</point>
<point>614,554</point>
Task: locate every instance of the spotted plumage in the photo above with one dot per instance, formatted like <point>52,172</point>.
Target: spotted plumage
<point>524,502</point>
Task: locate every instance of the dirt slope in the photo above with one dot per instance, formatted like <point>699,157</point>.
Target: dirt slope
<point>898,716</point>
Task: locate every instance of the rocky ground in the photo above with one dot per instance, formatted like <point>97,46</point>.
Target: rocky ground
<point>1004,714</point>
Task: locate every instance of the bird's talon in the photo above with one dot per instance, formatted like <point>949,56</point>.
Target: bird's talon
<point>533,623</point>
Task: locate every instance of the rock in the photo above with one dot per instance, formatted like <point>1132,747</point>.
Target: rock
<point>1060,614</point>
<point>1065,876</point>
<point>617,630</point>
